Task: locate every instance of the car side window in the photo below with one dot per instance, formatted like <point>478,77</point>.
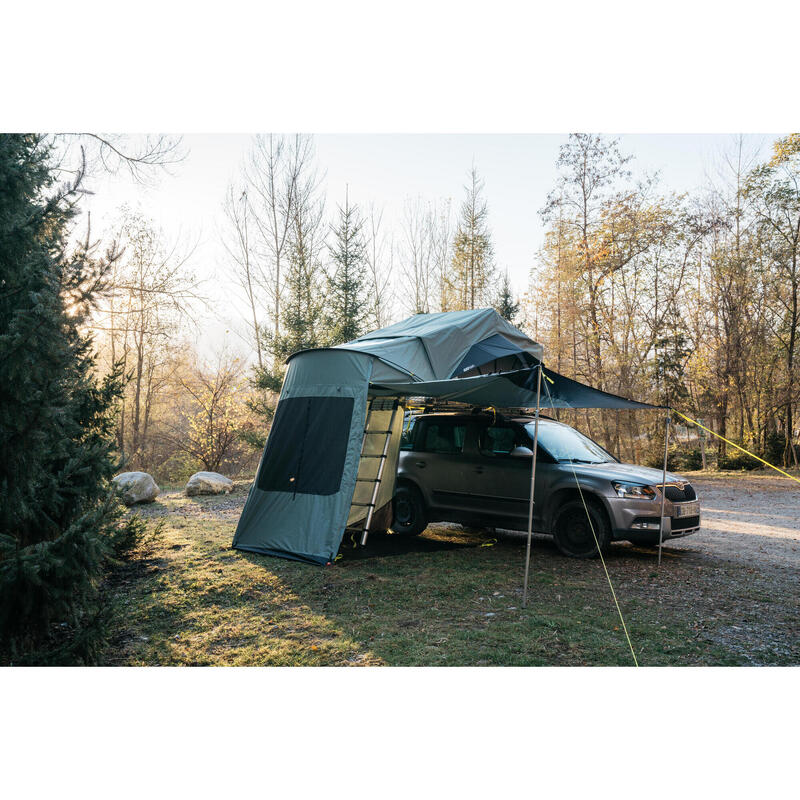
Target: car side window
<point>497,440</point>
<point>407,437</point>
<point>447,438</point>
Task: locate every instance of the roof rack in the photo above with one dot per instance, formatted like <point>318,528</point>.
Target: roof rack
<point>432,405</point>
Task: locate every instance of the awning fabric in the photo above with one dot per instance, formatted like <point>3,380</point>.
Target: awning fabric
<point>516,389</point>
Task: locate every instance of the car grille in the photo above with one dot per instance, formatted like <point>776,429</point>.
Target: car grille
<point>682,523</point>
<point>678,495</point>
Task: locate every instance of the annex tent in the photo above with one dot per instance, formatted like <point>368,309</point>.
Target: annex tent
<point>331,455</point>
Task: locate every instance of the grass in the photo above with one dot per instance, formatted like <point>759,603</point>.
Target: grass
<point>441,599</point>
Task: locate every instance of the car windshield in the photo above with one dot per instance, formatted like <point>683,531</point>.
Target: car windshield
<point>568,445</point>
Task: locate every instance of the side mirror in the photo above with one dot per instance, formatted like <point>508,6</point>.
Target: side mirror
<point>524,452</point>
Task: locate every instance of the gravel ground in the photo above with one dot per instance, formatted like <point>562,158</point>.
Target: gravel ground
<point>750,537</point>
<point>737,578</point>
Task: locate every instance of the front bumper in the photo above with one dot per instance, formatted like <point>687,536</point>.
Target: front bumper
<point>638,520</point>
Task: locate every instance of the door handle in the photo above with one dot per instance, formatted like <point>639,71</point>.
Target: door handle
<point>420,464</point>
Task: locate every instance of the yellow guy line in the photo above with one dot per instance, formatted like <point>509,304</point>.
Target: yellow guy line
<point>597,544</point>
<point>753,455</point>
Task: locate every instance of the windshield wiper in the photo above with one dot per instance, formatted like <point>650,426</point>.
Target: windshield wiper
<point>580,461</point>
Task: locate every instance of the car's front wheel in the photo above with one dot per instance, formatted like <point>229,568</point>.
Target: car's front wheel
<point>579,529</point>
<point>410,518</point>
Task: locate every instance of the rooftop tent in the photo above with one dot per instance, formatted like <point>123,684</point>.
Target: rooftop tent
<point>331,455</point>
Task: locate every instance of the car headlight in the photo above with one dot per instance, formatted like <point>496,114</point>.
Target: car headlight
<point>634,490</point>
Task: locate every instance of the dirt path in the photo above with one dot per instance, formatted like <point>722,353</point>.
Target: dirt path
<point>752,522</point>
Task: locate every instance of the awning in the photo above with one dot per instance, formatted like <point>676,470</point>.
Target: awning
<point>515,389</point>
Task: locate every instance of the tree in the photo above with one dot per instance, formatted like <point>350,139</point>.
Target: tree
<point>417,272</point>
<point>775,191</point>
<point>238,242</point>
<point>216,413</point>
<point>504,303</point>
<point>468,284</point>
<point>147,304</point>
<point>58,516</point>
<point>379,266</point>
<point>346,301</point>
<point>302,325</point>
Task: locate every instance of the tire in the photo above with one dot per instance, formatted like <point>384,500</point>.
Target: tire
<point>410,518</point>
<point>573,533</point>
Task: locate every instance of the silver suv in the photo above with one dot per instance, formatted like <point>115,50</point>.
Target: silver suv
<point>475,469</point>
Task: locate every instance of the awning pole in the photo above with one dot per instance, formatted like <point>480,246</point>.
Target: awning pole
<point>663,490</point>
<point>533,484</point>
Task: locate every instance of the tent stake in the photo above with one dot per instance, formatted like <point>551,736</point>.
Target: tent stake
<point>663,490</point>
<point>533,484</point>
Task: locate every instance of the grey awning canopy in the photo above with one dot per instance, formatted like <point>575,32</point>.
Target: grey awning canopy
<point>516,389</point>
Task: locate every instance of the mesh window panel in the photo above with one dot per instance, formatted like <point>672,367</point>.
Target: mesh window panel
<point>307,446</point>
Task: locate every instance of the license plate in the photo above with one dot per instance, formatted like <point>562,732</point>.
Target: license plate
<point>687,509</point>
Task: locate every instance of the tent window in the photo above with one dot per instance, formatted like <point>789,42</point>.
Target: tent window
<point>443,438</point>
<point>307,446</point>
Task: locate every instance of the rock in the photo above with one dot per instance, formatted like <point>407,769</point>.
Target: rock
<point>136,487</point>
<point>208,483</point>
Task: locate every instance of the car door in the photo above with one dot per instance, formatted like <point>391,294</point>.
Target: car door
<point>437,463</point>
<point>505,478</point>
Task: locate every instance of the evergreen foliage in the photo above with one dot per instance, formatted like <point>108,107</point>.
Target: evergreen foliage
<point>472,267</point>
<point>504,303</point>
<point>302,320</point>
<point>347,302</point>
<point>59,516</point>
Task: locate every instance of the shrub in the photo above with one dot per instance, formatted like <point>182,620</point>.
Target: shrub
<point>738,461</point>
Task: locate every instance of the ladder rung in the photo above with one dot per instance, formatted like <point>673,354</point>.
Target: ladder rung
<point>363,505</point>
<point>384,433</point>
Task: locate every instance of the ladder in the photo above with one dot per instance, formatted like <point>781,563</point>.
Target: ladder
<point>377,404</point>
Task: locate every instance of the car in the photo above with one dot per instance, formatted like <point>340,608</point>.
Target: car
<point>475,469</point>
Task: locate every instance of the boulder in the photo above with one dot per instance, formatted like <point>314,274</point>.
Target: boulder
<point>208,483</point>
<point>136,487</point>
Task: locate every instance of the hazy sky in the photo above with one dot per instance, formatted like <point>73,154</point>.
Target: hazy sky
<point>518,170</point>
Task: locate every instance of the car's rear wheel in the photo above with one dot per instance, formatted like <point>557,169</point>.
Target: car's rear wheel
<point>410,518</point>
<point>573,530</point>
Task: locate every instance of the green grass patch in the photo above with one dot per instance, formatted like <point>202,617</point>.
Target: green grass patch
<point>439,600</point>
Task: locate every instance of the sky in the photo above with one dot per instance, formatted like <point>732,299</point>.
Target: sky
<point>385,169</point>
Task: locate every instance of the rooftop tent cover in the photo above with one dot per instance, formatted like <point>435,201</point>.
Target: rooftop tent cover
<point>433,347</point>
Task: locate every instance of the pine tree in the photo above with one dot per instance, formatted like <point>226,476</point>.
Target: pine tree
<point>58,515</point>
<point>347,304</point>
<point>472,267</point>
<point>504,303</point>
<point>302,325</point>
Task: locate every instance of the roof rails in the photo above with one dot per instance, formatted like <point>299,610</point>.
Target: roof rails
<point>421,405</point>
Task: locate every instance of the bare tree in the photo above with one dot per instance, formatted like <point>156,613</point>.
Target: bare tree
<point>237,241</point>
<point>140,157</point>
<point>416,264</point>
<point>380,258</point>
<point>277,187</point>
<point>148,303</point>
